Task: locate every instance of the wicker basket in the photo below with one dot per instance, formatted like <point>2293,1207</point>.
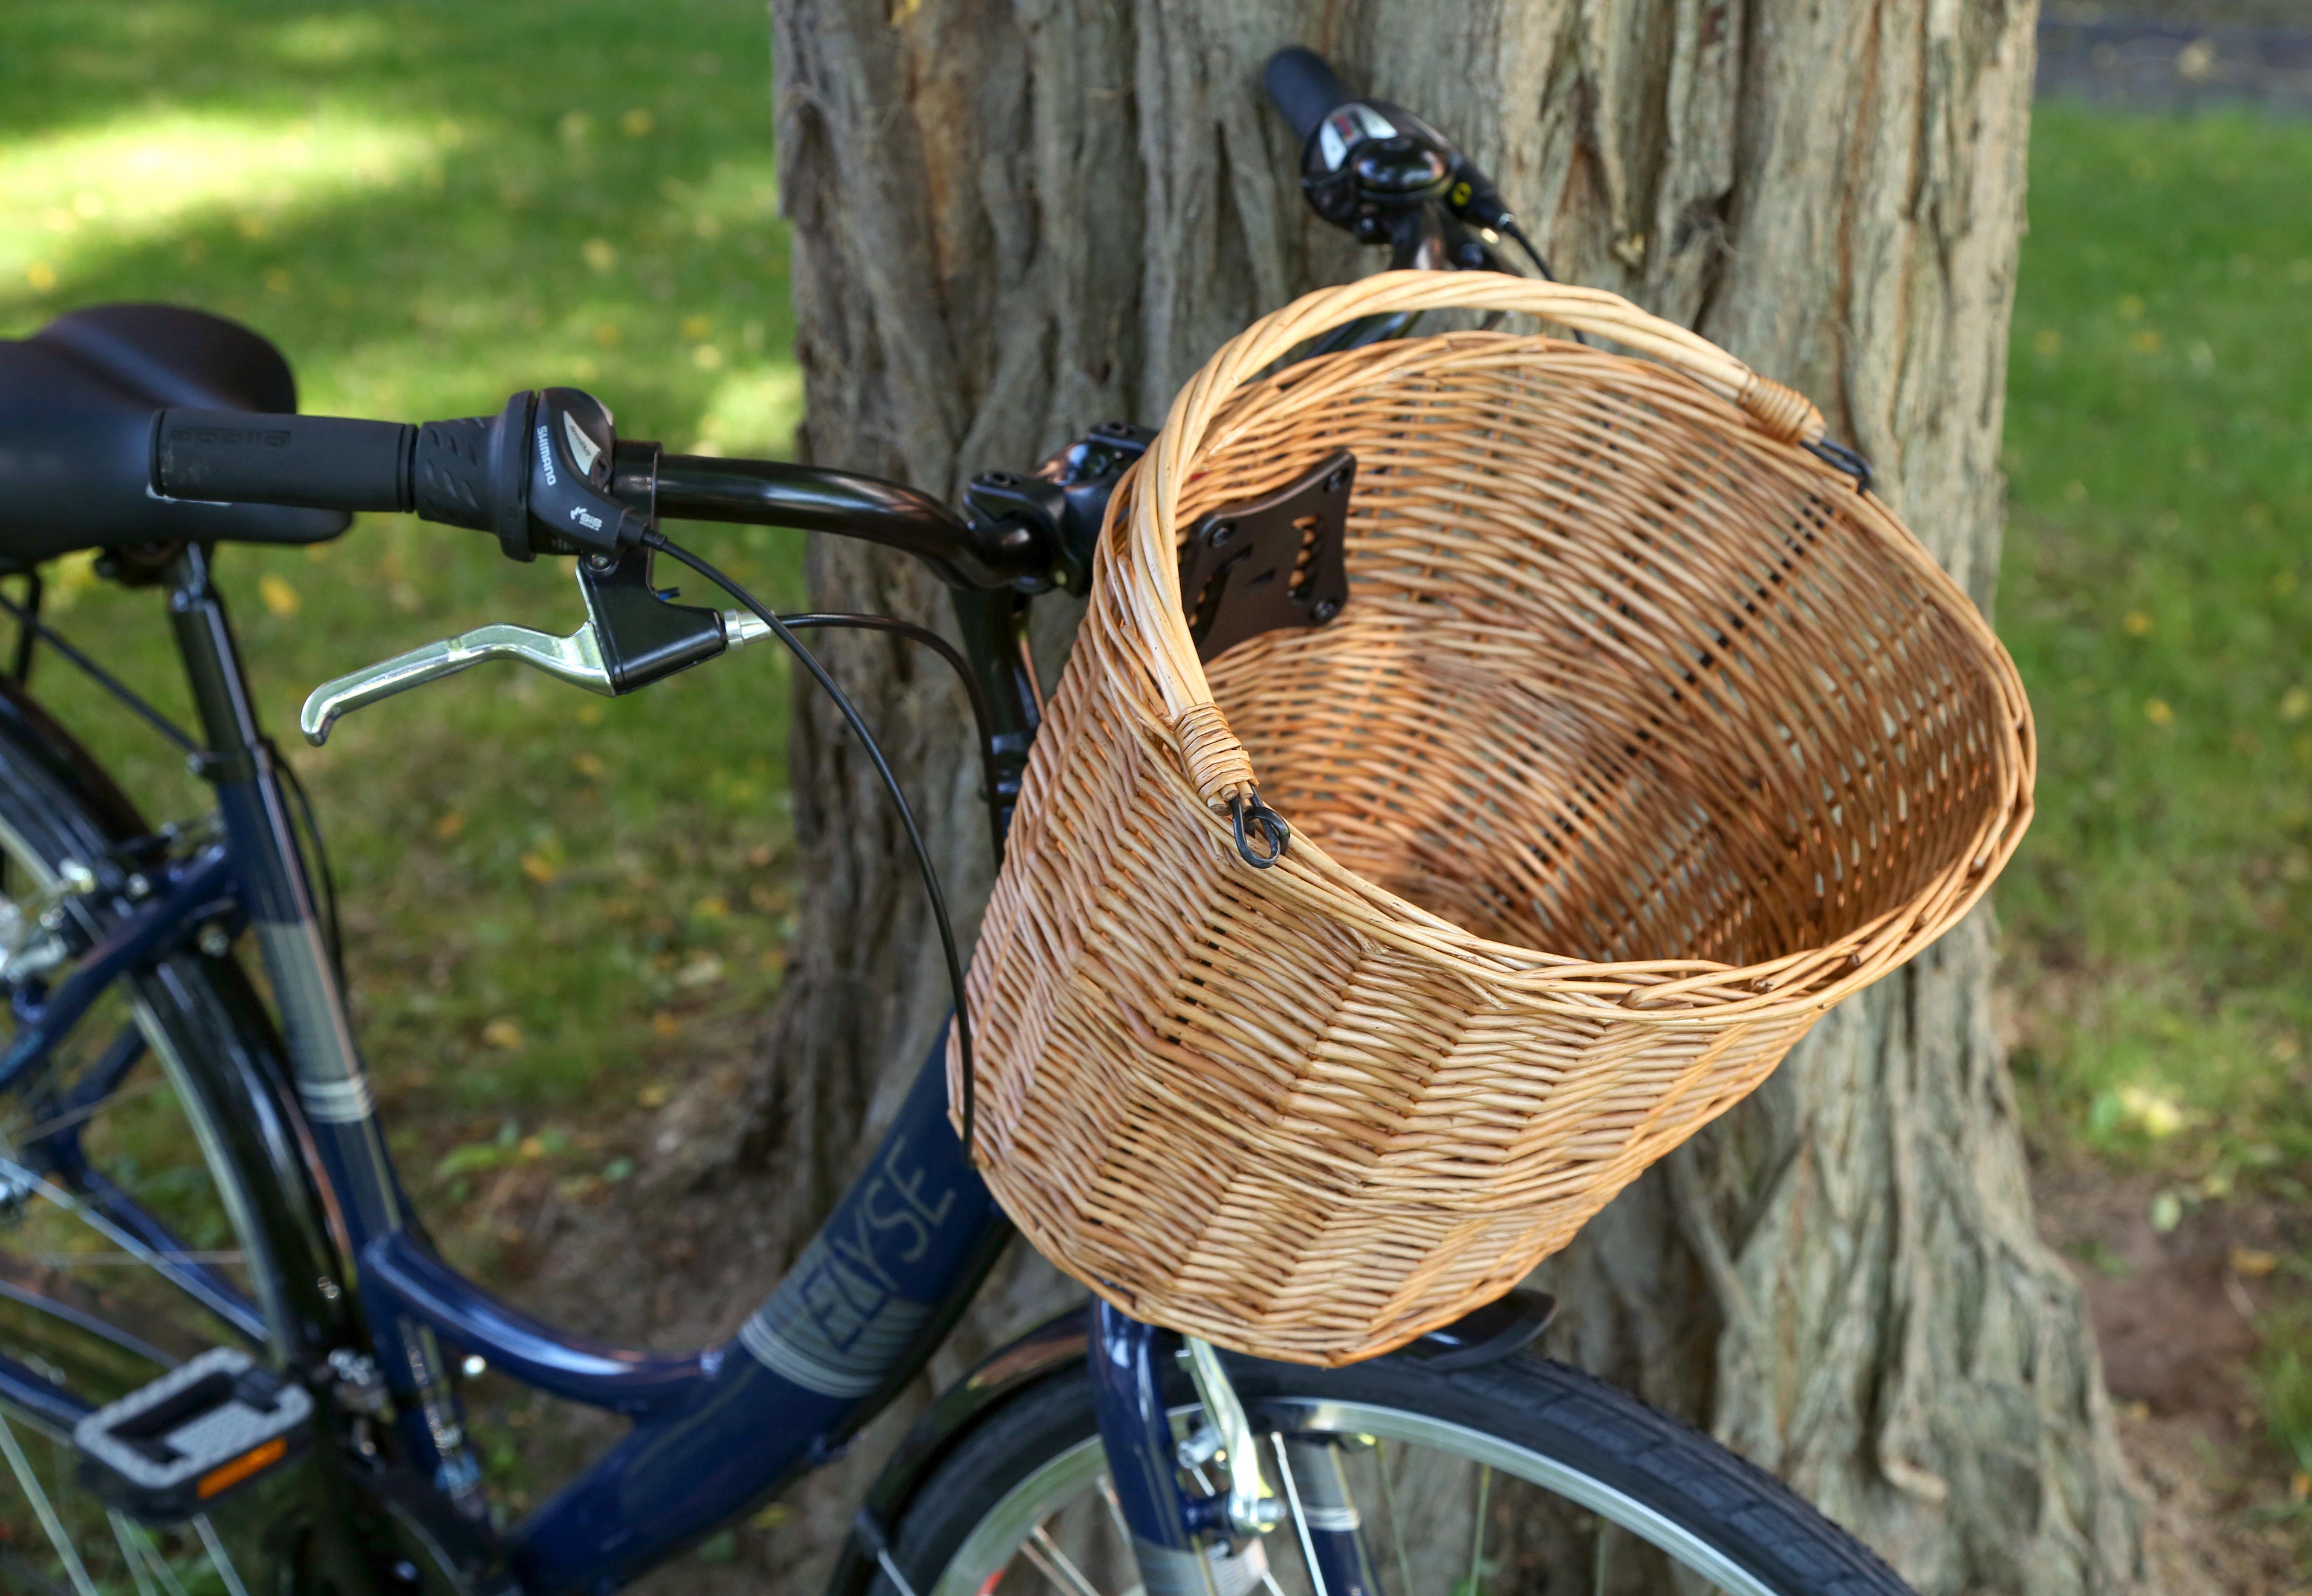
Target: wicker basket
<point>1644,739</point>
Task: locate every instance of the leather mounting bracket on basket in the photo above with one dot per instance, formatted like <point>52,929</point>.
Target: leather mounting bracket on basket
<point>1276,562</point>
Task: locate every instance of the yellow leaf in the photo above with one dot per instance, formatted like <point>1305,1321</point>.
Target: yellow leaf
<point>449,824</point>
<point>2138,624</point>
<point>588,763</point>
<point>696,328</point>
<point>41,276</point>
<point>601,253</point>
<point>711,907</point>
<point>532,1147</point>
<point>652,1096</point>
<point>538,868</point>
<point>504,1032</point>
<point>665,1025</point>
<point>2161,1116</point>
<point>279,597</point>
<point>2250,1264</point>
<point>2158,712</point>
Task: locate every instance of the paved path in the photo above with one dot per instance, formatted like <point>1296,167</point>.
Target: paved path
<point>2179,57</point>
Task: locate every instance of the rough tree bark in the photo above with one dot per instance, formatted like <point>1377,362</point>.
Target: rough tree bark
<point>1013,219</point>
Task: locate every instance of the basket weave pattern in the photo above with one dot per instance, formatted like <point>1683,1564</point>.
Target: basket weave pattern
<point>1644,739</point>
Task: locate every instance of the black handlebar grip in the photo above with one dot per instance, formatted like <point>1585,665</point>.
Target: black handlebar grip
<point>1303,88</point>
<point>316,463</point>
<point>450,476</point>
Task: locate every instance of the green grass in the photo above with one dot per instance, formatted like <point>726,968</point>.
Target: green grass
<point>426,205</point>
<point>2157,594</point>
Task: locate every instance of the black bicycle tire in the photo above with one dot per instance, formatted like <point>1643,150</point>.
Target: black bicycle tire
<point>198,1004</point>
<point>1529,1402</point>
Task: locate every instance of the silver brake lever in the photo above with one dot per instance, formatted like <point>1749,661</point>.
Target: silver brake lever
<point>576,658</point>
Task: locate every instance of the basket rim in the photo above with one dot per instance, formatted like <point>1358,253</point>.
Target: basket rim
<point>1669,992</point>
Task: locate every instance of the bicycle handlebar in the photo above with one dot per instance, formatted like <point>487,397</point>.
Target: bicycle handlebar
<point>1303,87</point>
<point>548,475</point>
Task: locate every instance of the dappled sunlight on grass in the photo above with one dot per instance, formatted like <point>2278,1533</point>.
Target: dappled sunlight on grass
<point>550,899</point>
<point>2157,596</point>
<point>86,193</point>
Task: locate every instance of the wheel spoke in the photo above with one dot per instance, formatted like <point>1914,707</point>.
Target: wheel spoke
<point>1055,1565</point>
<point>1476,1586</point>
<point>217,1558</point>
<point>131,1553</point>
<point>1106,1489</point>
<point>155,1559</point>
<point>1396,1524</point>
<point>44,1511</point>
<point>1300,1520</point>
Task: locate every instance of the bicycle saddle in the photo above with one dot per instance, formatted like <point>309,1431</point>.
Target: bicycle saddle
<point>77,403</point>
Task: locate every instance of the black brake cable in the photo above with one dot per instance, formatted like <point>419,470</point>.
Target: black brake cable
<point>982,717</point>
<point>1509,226</point>
<point>662,543</point>
<point>319,865</point>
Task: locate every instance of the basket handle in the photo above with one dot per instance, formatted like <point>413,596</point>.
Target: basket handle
<point>1214,760</point>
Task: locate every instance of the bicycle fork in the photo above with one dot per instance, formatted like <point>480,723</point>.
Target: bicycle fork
<point>1213,1545</point>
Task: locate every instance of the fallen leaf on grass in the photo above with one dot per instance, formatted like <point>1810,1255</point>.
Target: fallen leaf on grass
<point>2250,1264</point>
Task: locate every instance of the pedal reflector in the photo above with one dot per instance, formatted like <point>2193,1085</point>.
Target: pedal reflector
<point>167,1450</point>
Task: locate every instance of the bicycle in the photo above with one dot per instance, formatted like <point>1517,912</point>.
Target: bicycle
<point>221,1326</point>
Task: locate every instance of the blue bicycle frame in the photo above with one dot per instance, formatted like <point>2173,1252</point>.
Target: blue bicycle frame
<point>715,1432</point>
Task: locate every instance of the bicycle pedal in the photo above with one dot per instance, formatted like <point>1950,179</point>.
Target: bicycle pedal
<point>169,1449</point>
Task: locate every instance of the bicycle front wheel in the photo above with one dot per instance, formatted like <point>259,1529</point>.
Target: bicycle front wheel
<point>1521,1476</point>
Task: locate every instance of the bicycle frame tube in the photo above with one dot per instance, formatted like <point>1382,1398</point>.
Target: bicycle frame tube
<point>715,1431</point>
<point>331,1083</point>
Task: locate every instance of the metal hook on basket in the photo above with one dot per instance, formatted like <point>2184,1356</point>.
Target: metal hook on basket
<point>1839,456</point>
<point>1272,827</point>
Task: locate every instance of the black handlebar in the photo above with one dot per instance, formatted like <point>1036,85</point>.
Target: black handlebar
<point>315,462</point>
<point>442,469</point>
<point>550,477</point>
<point>1303,87</point>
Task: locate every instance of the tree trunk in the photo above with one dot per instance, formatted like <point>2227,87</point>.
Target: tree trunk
<point>1010,221</point>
